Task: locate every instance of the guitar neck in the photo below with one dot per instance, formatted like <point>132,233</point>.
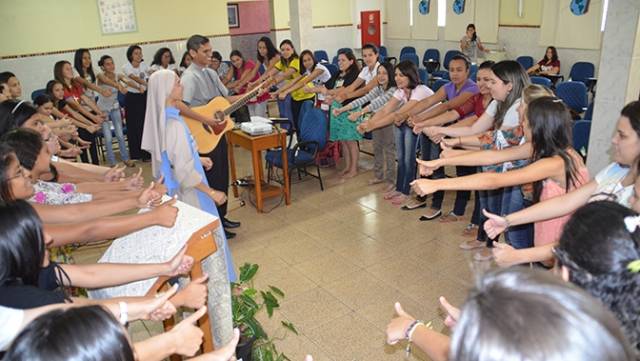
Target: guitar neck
<point>242,101</point>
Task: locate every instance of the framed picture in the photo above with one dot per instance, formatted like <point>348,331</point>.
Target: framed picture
<point>232,13</point>
<point>117,16</point>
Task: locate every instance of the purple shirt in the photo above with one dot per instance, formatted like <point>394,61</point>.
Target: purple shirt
<point>469,86</point>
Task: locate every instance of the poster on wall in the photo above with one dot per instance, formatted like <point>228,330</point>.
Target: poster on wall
<point>117,16</point>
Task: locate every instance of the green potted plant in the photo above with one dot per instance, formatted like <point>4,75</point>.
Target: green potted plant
<point>246,302</point>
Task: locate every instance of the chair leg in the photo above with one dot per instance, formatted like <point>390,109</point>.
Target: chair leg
<point>299,175</point>
<point>320,178</point>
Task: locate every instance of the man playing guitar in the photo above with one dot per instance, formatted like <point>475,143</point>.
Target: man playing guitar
<point>200,85</point>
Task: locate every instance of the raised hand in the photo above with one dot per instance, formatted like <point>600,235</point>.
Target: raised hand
<point>397,328</point>
<point>424,187</point>
<point>149,197</point>
<point>156,309</point>
<point>426,168</point>
<point>195,293</point>
<point>495,224</point>
<point>180,264</point>
<point>504,255</point>
<point>453,313</point>
<point>187,336</point>
<point>165,215</point>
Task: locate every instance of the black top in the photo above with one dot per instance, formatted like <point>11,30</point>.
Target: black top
<point>339,80</point>
<point>16,295</point>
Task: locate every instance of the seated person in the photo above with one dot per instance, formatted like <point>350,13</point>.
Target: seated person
<point>549,65</point>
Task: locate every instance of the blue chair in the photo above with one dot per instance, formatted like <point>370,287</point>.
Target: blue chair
<point>581,130</point>
<point>284,109</point>
<point>574,95</point>
<point>121,100</point>
<point>407,50</point>
<point>431,60</point>
<point>412,57</point>
<point>526,61</point>
<point>582,71</point>
<point>443,74</point>
<point>424,76</point>
<point>588,115</point>
<point>384,55</point>
<point>312,139</point>
<point>473,72</point>
<point>333,69</point>
<point>438,84</point>
<point>541,81</point>
<point>334,61</point>
<point>37,93</point>
<point>447,57</point>
<point>321,55</point>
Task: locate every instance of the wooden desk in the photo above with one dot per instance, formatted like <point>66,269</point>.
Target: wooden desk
<point>256,145</point>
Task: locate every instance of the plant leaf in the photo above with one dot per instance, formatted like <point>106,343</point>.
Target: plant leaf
<point>256,328</point>
<point>247,272</point>
<point>277,291</point>
<point>289,326</point>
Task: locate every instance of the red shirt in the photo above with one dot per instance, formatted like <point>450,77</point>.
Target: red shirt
<point>248,66</point>
<point>74,92</point>
<point>544,66</point>
<point>473,105</point>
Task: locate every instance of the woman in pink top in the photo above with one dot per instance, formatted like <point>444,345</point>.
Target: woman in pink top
<point>547,125</point>
<point>242,70</point>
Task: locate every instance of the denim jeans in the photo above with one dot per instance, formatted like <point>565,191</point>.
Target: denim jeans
<point>430,151</point>
<point>116,119</point>
<point>490,200</point>
<point>512,201</point>
<point>406,148</point>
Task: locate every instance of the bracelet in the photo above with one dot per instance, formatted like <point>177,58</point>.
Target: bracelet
<point>409,333</point>
<point>124,316</point>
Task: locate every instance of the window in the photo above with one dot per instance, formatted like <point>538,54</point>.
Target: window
<point>442,13</point>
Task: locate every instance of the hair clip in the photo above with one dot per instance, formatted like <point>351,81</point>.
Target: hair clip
<point>632,223</point>
<point>634,266</point>
<point>17,106</point>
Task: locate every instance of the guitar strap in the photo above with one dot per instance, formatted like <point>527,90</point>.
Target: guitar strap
<point>240,115</point>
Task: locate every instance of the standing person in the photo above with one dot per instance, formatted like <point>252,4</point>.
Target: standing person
<point>314,75</point>
<point>200,85</point>
<point>174,153</point>
<point>408,94</point>
<point>267,57</point>
<point>241,71</point>
<point>184,62</point>
<point>384,147</point>
<point>163,59</point>
<point>367,74</point>
<point>86,76</point>
<point>111,81</point>
<point>136,101</point>
<point>548,65</point>
<point>470,44</point>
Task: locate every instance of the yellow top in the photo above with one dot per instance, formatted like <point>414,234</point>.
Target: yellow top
<point>299,94</point>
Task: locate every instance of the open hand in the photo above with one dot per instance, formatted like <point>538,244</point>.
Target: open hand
<point>397,328</point>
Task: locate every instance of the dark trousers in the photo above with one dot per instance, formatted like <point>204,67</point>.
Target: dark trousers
<point>218,175</point>
<point>135,108</point>
<point>92,150</point>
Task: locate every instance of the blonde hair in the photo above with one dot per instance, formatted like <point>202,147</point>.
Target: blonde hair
<point>535,91</point>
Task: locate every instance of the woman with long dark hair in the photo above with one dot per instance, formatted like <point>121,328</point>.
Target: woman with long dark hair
<point>163,59</point>
<point>548,65</point>
<point>242,69</point>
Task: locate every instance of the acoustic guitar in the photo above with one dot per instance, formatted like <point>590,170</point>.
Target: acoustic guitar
<point>206,136</point>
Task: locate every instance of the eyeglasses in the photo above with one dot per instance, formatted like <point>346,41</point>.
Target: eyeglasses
<point>19,174</point>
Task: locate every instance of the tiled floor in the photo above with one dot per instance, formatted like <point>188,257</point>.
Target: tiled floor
<point>343,257</point>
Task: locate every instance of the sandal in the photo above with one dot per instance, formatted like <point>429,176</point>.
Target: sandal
<point>471,230</point>
<point>374,181</point>
<point>484,255</point>
<point>414,203</point>
<point>391,194</point>
<point>389,188</point>
<point>429,217</point>
<point>399,199</point>
<point>472,244</point>
<point>450,218</point>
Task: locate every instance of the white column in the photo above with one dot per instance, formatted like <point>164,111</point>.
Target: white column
<point>618,77</point>
<point>301,24</point>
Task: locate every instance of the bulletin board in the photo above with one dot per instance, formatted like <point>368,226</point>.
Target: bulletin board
<point>117,16</point>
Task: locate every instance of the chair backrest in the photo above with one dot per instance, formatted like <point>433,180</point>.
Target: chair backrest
<point>412,57</point>
<point>334,61</point>
<point>438,84</point>
<point>424,76</point>
<point>333,68</point>
<point>284,109</point>
<point>573,94</point>
<point>321,55</point>
<point>582,70</point>
<point>526,61</point>
<point>313,126</point>
<point>473,72</point>
<point>581,130</point>
<point>540,80</point>
<point>431,54</point>
<point>383,51</point>
<point>447,57</point>
<point>37,93</point>
<point>407,50</point>
<point>441,74</point>
<point>588,115</point>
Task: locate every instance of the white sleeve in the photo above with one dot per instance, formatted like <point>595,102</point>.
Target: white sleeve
<point>492,108</point>
<point>11,321</point>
